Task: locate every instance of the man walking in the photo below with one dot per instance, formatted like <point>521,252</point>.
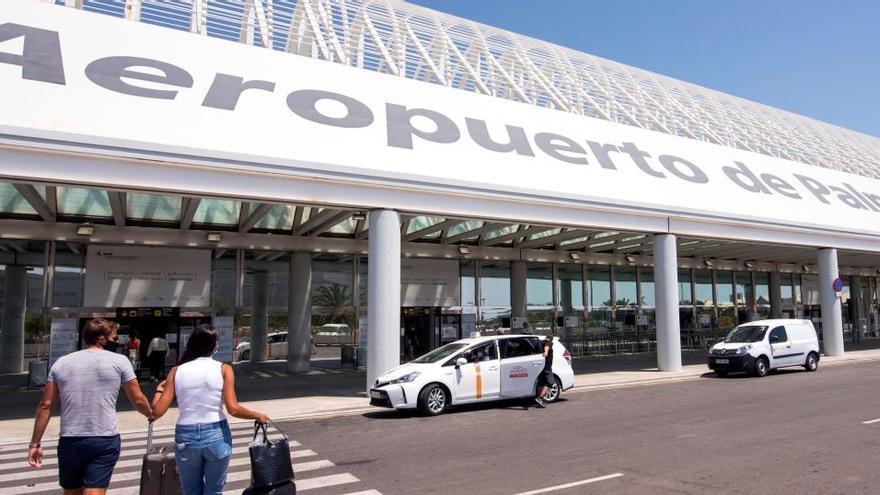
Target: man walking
<point>156,352</point>
<point>87,383</point>
<point>545,379</point>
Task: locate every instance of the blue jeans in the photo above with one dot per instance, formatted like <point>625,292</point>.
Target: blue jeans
<point>202,454</point>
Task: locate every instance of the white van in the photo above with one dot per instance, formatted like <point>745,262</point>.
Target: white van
<point>760,346</point>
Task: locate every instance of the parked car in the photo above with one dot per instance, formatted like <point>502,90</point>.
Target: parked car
<point>333,334</point>
<point>277,348</point>
<point>473,370</point>
<point>760,346</point>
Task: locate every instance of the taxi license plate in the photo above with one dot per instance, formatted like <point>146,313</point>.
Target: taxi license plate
<point>722,361</point>
<point>376,394</point>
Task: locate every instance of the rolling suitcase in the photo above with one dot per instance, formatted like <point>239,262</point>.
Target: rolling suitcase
<point>159,472</point>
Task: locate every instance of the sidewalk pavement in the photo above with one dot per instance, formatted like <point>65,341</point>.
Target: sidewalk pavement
<point>328,391</point>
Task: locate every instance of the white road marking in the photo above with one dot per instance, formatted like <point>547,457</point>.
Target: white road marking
<point>136,475</point>
<point>571,485</point>
<point>163,433</point>
<point>36,473</point>
<point>49,457</point>
<point>233,477</point>
<point>366,492</point>
<point>871,422</point>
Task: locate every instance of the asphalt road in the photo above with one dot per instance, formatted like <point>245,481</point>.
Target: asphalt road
<point>791,432</point>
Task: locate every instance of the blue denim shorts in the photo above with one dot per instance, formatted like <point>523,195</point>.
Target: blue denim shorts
<point>87,461</point>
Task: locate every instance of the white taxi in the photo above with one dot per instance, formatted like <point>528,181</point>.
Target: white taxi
<point>473,370</point>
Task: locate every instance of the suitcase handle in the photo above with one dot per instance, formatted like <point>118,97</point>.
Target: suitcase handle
<point>150,437</point>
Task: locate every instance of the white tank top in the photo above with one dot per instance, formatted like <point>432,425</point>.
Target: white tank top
<point>198,386</point>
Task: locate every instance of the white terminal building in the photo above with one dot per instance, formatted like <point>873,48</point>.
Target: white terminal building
<point>405,177</point>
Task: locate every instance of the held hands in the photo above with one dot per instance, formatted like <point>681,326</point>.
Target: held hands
<point>35,457</point>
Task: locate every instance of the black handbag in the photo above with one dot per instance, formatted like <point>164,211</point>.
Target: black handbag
<point>270,459</point>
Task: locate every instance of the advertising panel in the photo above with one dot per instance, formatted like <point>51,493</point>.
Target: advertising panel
<point>223,325</point>
<point>62,338</point>
<point>138,276</point>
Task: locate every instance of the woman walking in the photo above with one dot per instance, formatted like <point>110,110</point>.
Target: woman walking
<point>203,442</point>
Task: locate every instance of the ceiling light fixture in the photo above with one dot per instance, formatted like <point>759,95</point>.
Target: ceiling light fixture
<point>630,258</point>
<point>708,262</point>
<point>464,249</point>
<point>85,229</point>
<point>359,216</point>
<point>214,236</point>
<point>805,268</point>
<point>574,255</point>
<point>748,264</point>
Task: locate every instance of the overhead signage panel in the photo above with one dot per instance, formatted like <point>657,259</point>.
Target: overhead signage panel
<point>147,281</point>
<point>98,80</point>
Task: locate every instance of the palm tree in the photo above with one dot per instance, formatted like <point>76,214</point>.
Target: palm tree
<point>334,301</point>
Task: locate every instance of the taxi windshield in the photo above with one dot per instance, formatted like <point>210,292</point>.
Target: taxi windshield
<point>440,354</point>
<point>746,333</point>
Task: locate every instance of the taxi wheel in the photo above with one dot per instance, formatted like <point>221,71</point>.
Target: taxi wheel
<point>433,400</point>
<point>552,394</point>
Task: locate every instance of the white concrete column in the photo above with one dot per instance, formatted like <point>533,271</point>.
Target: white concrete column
<point>666,298</point>
<point>832,320</point>
<point>383,294</point>
<point>299,309</point>
<point>12,320</point>
<point>775,295</point>
<point>259,316</point>
<point>518,295</point>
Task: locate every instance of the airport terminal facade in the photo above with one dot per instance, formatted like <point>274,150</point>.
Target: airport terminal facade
<point>403,178</point>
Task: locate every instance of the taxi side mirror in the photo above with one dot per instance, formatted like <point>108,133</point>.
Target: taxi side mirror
<point>460,362</point>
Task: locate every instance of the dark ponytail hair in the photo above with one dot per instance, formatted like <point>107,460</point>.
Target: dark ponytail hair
<point>201,343</point>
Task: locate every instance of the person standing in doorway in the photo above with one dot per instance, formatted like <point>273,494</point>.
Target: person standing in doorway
<point>87,383</point>
<point>545,379</point>
<point>203,441</point>
<point>156,352</point>
<point>134,349</point>
<point>526,330</point>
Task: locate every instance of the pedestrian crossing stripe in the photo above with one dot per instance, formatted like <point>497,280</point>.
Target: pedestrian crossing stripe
<point>21,479</point>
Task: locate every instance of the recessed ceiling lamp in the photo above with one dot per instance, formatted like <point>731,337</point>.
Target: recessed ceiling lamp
<point>708,262</point>
<point>464,249</point>
<point>575,255</point>
<point>630,258</point>
<point>748,264</point>
<point>214,236</point>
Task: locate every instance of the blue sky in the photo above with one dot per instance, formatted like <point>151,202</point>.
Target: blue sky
<point>816,58</point>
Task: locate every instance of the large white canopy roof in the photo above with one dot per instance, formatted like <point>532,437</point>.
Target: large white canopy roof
<point>394,37</point>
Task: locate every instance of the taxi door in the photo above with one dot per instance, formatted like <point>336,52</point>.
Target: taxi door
<point>521,363</point>
<point>479,378</point>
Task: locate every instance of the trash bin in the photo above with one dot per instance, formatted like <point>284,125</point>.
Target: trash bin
<point>348,356</point>
<point>37,373</point>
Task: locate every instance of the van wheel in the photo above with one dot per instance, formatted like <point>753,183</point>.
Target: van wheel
<point>762,367</point>
<point>553,393</point>
<point>812,363</point>
<point>246,356</point>
<point>433,400</point>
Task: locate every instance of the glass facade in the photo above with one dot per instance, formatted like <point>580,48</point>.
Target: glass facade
<point>593,307</point>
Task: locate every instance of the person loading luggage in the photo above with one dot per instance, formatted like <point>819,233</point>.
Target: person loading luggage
<point>203,441</point>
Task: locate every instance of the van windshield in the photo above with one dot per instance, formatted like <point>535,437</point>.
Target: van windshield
<point>440,353</point>
<point>746,333</point>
